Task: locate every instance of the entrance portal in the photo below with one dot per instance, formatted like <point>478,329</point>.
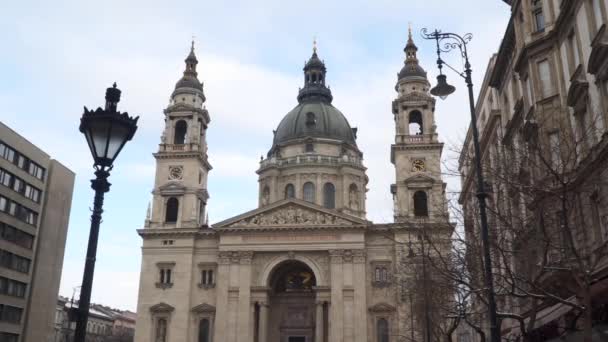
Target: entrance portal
<point>292,303</point>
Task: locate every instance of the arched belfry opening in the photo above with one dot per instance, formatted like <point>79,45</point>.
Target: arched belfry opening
<point>415,123</point>
<point>292,313</point>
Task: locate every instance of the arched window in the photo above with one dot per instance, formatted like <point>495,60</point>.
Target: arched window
<point>329,196</point>
<point>290,191</point>
<point>172,208</point>
<point>203,330</point>
<point>420,204</point>
<point>311,119</point>
<point>382,330</point>
<point>309,192</point>
<point>415,123</point>
<point>181,127</point>
<point>161,330</point>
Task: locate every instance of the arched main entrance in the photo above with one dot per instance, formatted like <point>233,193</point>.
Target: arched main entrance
<point>291,303</point>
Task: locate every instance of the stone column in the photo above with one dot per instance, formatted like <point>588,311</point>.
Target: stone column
<point>319,190</point>
<point>252,319</point>
<point>360,279</point>
<point>263,329</point>
<point>244,303</point>
<point>336,309</point>
<point>319,322</point>
<point>223,282</point>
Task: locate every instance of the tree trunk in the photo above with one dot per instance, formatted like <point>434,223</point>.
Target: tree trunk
<point>587,316</point>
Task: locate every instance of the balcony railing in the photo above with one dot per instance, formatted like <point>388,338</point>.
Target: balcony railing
<point>312,159</point>
<point>179,147</point>
<point>414,139</point>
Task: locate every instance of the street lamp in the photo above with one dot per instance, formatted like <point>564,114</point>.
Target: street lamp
<point>452,41</point>
<point>107,131</point>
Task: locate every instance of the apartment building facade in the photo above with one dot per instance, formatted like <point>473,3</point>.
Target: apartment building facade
<point>35,201</point>
<point>543,119</point>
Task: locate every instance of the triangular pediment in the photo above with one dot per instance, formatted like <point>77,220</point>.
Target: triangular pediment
<point>290,213</point>
<point>203,308</point>
<point>172,187</point>
<point>161,308</point>
<point>420,178</point>
<point>382,307</point>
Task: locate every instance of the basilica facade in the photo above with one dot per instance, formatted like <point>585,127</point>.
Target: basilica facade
<point>305,265</point>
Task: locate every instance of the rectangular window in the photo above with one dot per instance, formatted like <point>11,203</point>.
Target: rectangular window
<point>10,314</point>
<point>544,74</point>
<point>539,17</point>
<point>5,178</point>
<point>14,262</point>
<point>573,55</point>
<point>12,288</point>
<point>3,203</point>
<point>17,184</point>
<point>555,151</point>
<point>16,236</point>
<point>597,12</point>
<point>8,337</point>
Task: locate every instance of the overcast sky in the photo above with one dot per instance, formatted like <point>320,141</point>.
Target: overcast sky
<point>58,56</point>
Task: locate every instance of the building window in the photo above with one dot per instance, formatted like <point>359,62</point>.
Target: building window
<point>172,209</point>
<point>290,191</point>
<point>14,262</point>
<point>203,330</point>
<point>555,151</point>
<point>181,128</point>
<point>415,123</point>
<point>544,73</point>
<point>573,56</point>
<point>539,17</point>
<point>165,274</point>
<point>597,13</point>
<point>12,288</point>
<point>420,204</point>
<point>382,330</point>
<point>161,330</point>
<point>8,337</point>
<point>311,120</point>
<point>266,196</point>
<point>309,192</point>
<point>309,147</point>
<point>381,277</point>
<point>329,196</point>
<point>10,314</point>
<point>16,236</point>
<point>207,278</point>
<point>17,210</point>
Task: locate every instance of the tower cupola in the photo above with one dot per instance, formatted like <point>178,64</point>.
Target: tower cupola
<point>189,82</point>
<point>411,69</point>
<point>314,80</point>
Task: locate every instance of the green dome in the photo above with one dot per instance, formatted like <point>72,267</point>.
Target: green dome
<point>317,119</point>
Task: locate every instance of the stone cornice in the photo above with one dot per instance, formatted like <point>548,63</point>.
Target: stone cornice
<point>175,232</point>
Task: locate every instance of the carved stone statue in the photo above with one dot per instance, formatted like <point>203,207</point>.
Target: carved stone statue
<point>353,199</point>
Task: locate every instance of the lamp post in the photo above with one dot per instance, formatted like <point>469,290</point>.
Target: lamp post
<point>106,131</point>
<point>452,41</point>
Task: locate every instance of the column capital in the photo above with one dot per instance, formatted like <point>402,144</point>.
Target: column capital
<point>246,257</point>
<point>224,257</point>
<point>359,256</point>
<point>335,256</point>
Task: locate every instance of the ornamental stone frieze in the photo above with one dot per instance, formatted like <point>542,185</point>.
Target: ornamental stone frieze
<point>292,215</point>
<point>336,256</point>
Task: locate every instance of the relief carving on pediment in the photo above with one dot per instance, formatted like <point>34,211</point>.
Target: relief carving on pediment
<point>291,215</point>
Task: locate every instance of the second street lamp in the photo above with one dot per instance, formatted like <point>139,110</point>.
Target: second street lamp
<point>107,131</point>
<point>454,41</point>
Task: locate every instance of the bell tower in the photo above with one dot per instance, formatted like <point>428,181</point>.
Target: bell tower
<point>180,189</point>
<point>419,192</point>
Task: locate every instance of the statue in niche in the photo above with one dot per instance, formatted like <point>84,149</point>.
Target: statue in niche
<point>298,281</point>
<point>353,198</point>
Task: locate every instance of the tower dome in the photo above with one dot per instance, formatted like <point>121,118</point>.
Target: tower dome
<point>314,116</point>
<point>189,82</point>
<point>411,69</point>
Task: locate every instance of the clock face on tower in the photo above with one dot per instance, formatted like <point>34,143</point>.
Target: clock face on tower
<point>418,165</point>
<point>176,172</point>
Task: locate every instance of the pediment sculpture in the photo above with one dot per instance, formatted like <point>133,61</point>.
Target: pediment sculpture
<point>291,215</point>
